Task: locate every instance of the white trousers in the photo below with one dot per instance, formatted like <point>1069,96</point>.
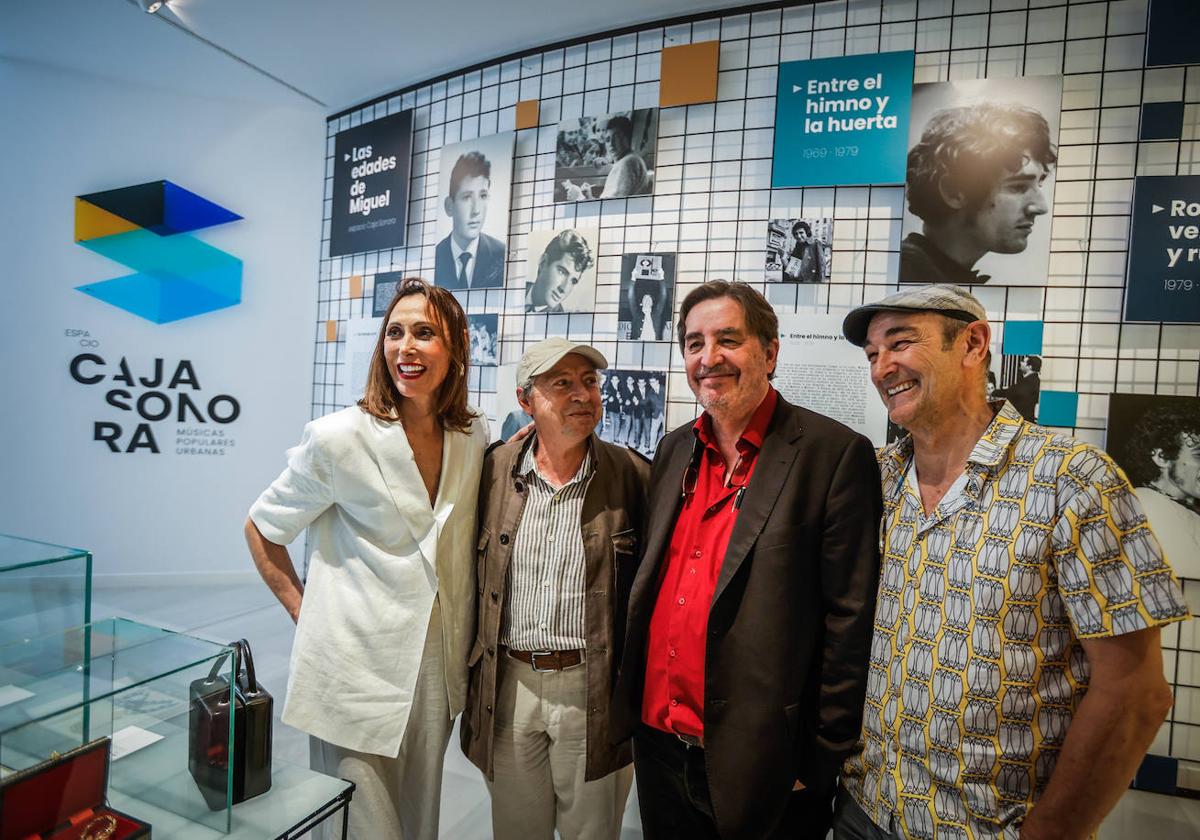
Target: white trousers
<point>540,755</point>
<point>397,798</point>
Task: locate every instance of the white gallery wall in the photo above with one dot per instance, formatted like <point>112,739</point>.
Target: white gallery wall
<point>213,127</point>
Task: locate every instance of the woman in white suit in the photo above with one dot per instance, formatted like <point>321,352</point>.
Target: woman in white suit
<point>388,491</point>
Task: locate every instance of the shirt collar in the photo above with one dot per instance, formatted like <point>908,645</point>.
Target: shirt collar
<point>752,436</point>
<point>953,271</point>
<point>528,467</point>
<point>988,450</point>
<point>470,249</point>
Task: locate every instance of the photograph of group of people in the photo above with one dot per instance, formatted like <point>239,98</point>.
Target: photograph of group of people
<point>1156,440</point>
<point>483,333</point>
<point>799,250</point>
<point>606,156</point>
<point>635,403</point>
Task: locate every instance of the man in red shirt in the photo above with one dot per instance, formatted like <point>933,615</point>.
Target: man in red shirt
<point>749,619</point>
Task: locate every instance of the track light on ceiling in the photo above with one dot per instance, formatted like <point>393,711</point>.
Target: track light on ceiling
<point>150,6</point>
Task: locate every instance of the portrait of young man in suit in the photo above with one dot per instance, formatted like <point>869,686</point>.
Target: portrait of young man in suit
<point>744,665</point>
<point>468,258</point>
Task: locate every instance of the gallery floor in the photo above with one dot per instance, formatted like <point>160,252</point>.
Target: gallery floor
<point>245,609</point>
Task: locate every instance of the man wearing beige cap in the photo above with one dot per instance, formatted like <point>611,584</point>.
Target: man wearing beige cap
<point>561,512</point>
<point>1015,675</point>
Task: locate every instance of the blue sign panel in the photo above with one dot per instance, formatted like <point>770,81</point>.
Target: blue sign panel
<point>1163,279</point>
<point>842,120</point>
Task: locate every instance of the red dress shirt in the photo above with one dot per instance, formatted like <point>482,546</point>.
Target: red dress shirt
<point>674,693</point>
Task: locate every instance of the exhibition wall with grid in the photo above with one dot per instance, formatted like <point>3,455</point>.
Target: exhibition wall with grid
<point>713,199</point>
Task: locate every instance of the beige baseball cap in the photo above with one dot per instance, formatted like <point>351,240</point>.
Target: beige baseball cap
<point>943,298</point>
<point>546,354</point>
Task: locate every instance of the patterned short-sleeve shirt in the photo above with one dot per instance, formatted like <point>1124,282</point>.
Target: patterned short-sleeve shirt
<point>976,664</point>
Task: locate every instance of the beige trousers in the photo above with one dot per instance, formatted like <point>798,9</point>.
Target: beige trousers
<point>540,754</point>
<point>397,798</point>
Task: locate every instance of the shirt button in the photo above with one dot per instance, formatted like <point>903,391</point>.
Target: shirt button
<point>543,625</point>
<point>674,702</point>
<point>671,653</point>
<point>681,602</point>
<point>545,583</point>
<point>549,539</point>
<point>696,553</point>
<point>691,571</point>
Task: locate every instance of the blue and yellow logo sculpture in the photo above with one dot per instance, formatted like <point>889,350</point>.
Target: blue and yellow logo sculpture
<point>145,227</point>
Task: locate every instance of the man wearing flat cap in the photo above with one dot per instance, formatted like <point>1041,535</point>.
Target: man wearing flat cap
<point>560,516</point>
<point>1015,675</point>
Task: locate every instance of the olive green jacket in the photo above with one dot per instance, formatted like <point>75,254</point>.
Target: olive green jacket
<point>614,510</point>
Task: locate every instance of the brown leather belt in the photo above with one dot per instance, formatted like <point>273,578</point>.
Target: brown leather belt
<point>547,660</point>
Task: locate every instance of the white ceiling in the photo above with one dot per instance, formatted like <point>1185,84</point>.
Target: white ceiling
<point>338,53</point>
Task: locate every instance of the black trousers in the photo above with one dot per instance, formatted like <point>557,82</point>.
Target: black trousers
<point>675,803</point>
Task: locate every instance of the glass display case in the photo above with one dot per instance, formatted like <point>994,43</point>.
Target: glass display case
<point>44,588</point>
<point>142,686</point>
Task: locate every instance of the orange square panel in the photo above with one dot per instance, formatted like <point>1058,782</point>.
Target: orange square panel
<point>528,113</point>
<point>689,74</point>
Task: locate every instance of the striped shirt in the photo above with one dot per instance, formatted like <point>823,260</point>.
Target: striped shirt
<point>545,585</point>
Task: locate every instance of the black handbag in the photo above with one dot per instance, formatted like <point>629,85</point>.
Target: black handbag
<point>208,731</point>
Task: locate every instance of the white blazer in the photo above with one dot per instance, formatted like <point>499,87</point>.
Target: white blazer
<point>380,555</point>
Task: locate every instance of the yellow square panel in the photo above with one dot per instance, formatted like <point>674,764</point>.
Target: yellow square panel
<point>689,74</point>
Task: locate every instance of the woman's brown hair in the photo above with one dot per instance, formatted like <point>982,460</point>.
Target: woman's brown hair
<point>382,400</point>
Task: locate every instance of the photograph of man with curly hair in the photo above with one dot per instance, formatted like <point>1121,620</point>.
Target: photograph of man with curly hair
<point>1156,440</point>
<point>980,181</point>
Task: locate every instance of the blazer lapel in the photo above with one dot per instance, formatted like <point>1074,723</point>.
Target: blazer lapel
<point>780,447</point>
<point>451,475</point>
<point>665,499</point>
<point>399,470</point>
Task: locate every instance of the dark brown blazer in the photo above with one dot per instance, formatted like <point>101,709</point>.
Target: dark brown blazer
<point>789,628</point>
<point>613,516</point>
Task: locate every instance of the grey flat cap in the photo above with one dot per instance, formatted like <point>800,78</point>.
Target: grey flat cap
<point>545,354</point>
<point>942,298</point>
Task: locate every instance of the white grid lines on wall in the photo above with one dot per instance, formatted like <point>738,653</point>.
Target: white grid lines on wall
<point>713,197</point>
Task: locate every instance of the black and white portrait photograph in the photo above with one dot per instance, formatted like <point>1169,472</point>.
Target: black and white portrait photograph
<point>510,417</point>
<point>798,250</point>
<point>472,223</point>
<point>607,156</point>
<point>483,334</point>
<point>1156,441</point>
<point>647,297</point>
<point>635,403</point>
<point>562,270</point>
<point>385,290</point>
<point>979,189</point>
<point>1017,379</point>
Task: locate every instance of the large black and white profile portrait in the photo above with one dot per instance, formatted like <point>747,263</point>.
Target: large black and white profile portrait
<point>562,270</point>
<point>608,156</point>
<point>635,403</point>
<point>798,250</point>
<point>1019,380</point>
<point>482,334</point>
<point>980,181</point>
<point>473,197</point>
<point>647,297</point>
<point>1156,440</point>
